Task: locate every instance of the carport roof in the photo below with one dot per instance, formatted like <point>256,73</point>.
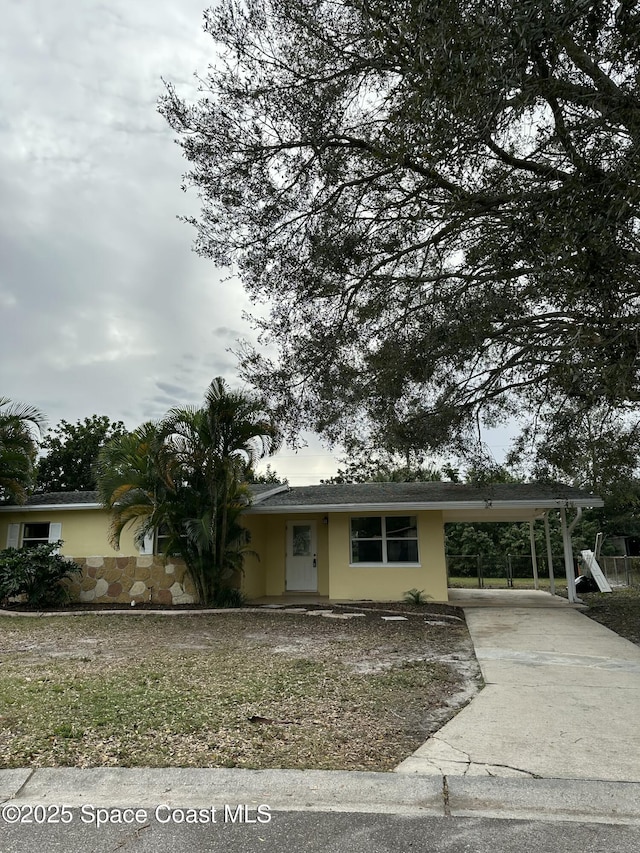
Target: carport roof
<point>457,501</point>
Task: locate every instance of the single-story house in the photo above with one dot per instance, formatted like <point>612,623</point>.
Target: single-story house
<point>345,542</point>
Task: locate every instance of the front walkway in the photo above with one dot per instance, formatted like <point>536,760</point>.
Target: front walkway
<point>560,701</point>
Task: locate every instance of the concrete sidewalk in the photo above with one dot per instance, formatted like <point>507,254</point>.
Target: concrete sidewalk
<point>561,700</point>
<point>160,791</point>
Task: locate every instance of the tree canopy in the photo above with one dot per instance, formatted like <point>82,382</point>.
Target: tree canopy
<point>20,423</point>
<point>369,466</point>
<point>437,201</point>
<point>71,452</point>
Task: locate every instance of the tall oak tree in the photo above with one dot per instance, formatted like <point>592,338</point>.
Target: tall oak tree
<point>435,203</point>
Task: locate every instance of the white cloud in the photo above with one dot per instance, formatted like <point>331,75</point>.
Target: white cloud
<point>97,270</point>
<point>104,307</point>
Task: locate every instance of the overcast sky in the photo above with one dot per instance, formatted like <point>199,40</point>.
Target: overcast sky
<point>105,309</point>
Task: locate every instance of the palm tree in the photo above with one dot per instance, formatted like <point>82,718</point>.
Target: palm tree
<point>18,423</point>
<point>186,475</point>
<point>134,475</point>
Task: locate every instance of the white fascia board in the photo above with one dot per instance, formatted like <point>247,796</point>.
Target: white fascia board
<point>314,508</point>
<point>487,506</point>
<point>492,514</point>
<point>49,507</point>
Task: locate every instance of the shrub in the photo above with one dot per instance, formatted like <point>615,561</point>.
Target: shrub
<point>416,596</point>
<point>230,597</point>
<point>35,573</point>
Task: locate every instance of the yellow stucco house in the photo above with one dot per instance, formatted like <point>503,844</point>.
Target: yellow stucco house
<point>344,542</point>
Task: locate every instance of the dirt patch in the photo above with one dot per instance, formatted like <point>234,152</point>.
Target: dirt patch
<point>243,689</point>
<point>618,610</point>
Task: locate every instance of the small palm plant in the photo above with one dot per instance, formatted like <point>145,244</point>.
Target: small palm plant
<point>416,596</point>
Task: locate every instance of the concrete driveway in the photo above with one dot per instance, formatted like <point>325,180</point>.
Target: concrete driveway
<point>561,697</point>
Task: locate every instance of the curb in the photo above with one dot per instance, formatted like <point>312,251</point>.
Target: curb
<point>584,801</point>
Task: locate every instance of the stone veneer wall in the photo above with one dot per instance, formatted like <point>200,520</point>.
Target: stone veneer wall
<point>124,579</point>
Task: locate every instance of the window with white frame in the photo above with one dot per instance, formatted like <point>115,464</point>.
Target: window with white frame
<point>384,539</point>
<point>33,533</point>
<point>162,537</point>
<point>155,541</point>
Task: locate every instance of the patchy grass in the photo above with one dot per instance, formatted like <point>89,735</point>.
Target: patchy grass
<point>618,610</point>
<point>241,689</point>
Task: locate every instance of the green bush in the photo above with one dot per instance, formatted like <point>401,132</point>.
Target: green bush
<point>35,573</point>
<point>229,596</point>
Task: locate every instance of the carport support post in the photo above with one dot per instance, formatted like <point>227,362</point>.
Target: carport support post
<point>534,558</point>
<point>547,536</point>
<point>568,557</point>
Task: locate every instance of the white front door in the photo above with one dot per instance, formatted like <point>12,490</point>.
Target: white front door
<point>302,557</point>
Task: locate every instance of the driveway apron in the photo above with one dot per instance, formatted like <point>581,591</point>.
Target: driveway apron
<point>560,701</point>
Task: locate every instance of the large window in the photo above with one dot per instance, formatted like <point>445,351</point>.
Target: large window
<point>384,539</point>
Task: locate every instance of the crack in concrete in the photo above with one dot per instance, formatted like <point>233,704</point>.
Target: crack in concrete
<point>529,773</point>
<point>445,797</point>
<point>467,756</point>
<point>24,784</point>
<point>465,760</point>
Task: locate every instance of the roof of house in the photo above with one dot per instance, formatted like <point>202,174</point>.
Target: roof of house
<point>56,500</point>
<point>487,500</point>
<point>48,498</point>
<point>457,501</point>
<point>91,500</point>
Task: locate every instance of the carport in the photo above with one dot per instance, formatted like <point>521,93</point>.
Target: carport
<point>519,502</point>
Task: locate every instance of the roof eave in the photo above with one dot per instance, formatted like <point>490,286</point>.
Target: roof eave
<point>413,506</point>
<point>48,507</point>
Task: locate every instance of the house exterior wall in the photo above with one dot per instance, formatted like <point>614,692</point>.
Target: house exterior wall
<point>85,532</point>
<point>337,578</point>
<point>388,583</point>
<point>125,575</point>
<point>141,580</point>
<point>253,580</point>
<point>275,555</point>
<point>108,576</point>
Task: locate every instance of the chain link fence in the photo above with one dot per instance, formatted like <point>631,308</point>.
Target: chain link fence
<point>512,567</point>
<point>621,571</point>
<point>467,568</point>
